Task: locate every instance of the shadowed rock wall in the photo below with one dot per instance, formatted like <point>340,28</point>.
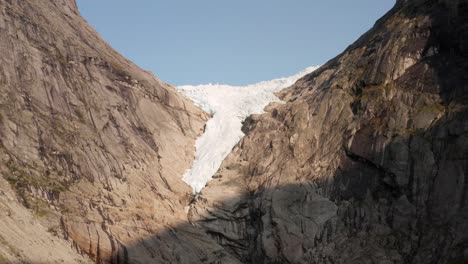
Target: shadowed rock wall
<point>374,145</point>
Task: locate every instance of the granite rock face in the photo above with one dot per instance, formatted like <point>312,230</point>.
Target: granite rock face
<point>93,145</point>
<point>367,160</point>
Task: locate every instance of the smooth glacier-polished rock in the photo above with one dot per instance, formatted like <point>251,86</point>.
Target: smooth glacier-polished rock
<point>366,161</point>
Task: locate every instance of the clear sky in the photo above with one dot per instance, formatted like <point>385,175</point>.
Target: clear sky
<point>234,42</point>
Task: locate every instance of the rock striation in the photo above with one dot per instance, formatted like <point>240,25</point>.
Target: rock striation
<point>367,160</point>
<point>91,144</point>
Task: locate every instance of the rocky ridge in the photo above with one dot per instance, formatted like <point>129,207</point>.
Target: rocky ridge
<point>91,144</point>
<point>366,162</point>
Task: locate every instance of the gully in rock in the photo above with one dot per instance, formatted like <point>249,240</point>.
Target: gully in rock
<point>229,106</point>
<point>363,160</point>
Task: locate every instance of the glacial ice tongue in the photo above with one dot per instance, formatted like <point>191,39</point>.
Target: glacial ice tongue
<point>229,106</point>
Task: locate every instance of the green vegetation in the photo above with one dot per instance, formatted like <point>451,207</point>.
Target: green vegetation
<point>454,107</point>
<point>360,91</point>
<point>119,71</point>
<point>9,247</point>
<point>19,178</point>
<point>376,92</point>
<point>65,211</point>
<point>433,108</point>
<point>413,132</point>
<point>79,114</point>
<point>3,260</point>
<point>357,90</point>
<point>453,261</point>
<point>419,132</point>
<point>378,88</point>
<point>53,231</point>
<point>372,95</point>
<point>40,207</point>
<point>23,183</point>
<point>450,107</point>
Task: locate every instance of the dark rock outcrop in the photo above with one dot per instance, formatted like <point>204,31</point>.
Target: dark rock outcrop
<point>366,162</point>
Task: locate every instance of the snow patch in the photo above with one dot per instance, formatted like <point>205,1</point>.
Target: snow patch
<point>229,107</point>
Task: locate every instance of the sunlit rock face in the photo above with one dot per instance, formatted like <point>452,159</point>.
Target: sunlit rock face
<point>91,144</point>
<point>366,160</point>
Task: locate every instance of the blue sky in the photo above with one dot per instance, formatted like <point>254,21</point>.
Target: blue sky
<point>233,42</point>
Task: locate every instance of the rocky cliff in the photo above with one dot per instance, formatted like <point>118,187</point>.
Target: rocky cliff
<point>367,160</point>
<point>91,144</point>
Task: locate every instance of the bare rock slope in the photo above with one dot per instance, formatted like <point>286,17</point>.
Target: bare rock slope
<point>367,160</point>
<point>92,145</point>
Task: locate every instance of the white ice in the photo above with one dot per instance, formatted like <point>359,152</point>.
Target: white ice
<point>229,106</point>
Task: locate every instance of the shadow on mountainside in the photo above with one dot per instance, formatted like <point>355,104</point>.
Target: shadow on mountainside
<point>405,204</point>
<point>369,215</point>
<point>412,208</point>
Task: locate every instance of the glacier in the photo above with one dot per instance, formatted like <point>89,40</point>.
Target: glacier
<point>229,106</point>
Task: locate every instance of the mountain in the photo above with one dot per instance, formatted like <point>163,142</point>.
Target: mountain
<point>229,107</point>
<point>92,148</point>
<point>365,162</point>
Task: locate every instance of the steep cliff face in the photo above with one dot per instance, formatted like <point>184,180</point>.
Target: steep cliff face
<point>94,146</point>
<point>367,160</point>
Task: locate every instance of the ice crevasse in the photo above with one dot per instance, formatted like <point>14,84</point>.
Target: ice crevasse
<point>229,107</point>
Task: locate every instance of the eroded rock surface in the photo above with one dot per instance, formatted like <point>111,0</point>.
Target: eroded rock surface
<point>92,145</point>
<point>367,160</point>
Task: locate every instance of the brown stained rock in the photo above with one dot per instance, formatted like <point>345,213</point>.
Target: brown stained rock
<point>366,161</point>
<point>93,145</point>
